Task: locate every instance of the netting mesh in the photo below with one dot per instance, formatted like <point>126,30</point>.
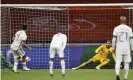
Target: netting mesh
<point>5,23</point>
<point>95,24</point>
<point>82,25</point>
<point>42,24</point>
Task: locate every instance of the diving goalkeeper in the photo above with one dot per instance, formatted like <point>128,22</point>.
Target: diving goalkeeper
<point>102,54</point>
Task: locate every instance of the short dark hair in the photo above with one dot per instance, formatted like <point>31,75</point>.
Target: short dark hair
<point>123,19</point>
<point>24,27</point>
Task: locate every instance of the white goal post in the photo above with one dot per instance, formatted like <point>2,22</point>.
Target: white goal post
<point>70,5</point>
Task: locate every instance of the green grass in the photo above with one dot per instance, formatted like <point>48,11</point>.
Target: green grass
<point>86,74</point>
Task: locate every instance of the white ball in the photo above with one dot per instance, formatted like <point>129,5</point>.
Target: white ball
<point>27,58</point>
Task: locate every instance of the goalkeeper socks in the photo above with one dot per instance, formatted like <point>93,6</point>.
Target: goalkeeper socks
<point>51,67</point>
<point>126,69</point>
<point>103,63</point>
<point>24,65</point>
<point>63,66</point>
<point>15,65</point>
<point>117,67</point>
<point>83,64</point>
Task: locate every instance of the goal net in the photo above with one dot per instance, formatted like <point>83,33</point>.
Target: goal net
<point>86,27</point>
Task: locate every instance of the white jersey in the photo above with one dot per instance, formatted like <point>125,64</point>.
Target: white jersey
<point>59,40</point>
<point>19,37</point>
<point>123,34</point>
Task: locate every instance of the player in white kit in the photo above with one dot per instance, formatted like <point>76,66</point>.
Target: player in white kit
<point>122,43</point>
<point>16,48</point>
<point>57,45</point>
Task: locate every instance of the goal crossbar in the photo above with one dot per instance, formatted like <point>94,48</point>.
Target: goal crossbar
<point>68,5</point>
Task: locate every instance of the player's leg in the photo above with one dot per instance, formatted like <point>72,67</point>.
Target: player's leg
<point>24,61</point>
<point>92,60</point>
<point>52,54</point>
<point>117,65</point>
<point>126,70</point>
<point>103,62</point>
<point>127,60</point>
<point>83,64</point>
<point>16,60</point>
<point>51,66</point>
<point>62,61</point>
<point>6,59</point>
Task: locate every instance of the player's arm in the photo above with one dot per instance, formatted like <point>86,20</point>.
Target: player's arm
<point>114,57</point>
<point>13,37</point>
<point>24,45</point>
<point>98,50</point>
<point>24,41</point>
<point>131,40</point>
<point>131,44</point>
<point>114,39</point>
<point>65,41</point>
<point>113,54</point>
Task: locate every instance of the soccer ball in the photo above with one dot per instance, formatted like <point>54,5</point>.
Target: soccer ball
<point>27,59</point>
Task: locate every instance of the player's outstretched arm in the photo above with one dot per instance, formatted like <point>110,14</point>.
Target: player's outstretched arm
<point>113,55</point>
<point>24,45</point>
<point>98,50</point>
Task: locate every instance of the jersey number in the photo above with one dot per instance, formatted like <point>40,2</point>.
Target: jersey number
<point>18,36</point>
<point>120,36</point>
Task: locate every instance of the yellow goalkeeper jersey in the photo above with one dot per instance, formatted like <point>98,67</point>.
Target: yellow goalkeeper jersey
<point>105,51</point>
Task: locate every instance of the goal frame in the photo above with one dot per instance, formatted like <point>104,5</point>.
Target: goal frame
<point>69,5</point>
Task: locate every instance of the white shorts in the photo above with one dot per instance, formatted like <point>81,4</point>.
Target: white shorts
<point>123,57</point>
<point>17,52</point>
<point>56,49</point>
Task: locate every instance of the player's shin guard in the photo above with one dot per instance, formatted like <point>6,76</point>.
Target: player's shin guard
<point>117,67</point>
<point>126,69</point>
<point>51,66</point>
<point>63,66</point>
<point>103,64</point>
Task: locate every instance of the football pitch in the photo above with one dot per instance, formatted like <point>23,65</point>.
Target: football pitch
<point>82,74</point>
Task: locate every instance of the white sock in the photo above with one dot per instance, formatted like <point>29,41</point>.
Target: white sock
<point>63,66</point>
<point>24,65</point>
<point>51,67</point>
<point>117,67</point>
<point>15,65</point>
<point>126,69</point>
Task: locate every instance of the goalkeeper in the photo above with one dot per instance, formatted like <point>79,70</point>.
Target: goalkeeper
<point>102,54</point>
